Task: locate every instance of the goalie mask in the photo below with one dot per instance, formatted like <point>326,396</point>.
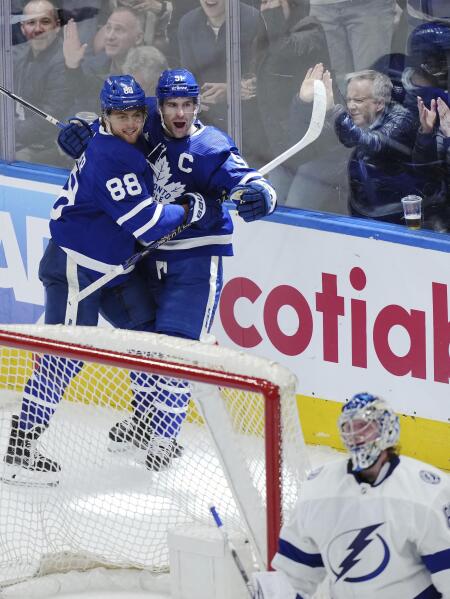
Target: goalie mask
<point>367,426</point>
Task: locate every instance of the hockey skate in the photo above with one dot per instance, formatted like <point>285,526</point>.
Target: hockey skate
<point>160,453</point>
<point>135,432</point>
<point>23,464</point>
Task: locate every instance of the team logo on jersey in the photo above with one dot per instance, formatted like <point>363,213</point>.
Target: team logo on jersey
<point>164,191</point>
<point>429,477</point>
<point>358,555</point>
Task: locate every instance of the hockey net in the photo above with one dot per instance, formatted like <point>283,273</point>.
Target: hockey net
<point>243,452</point>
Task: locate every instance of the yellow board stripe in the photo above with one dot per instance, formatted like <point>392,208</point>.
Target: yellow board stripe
<point>420,438</point>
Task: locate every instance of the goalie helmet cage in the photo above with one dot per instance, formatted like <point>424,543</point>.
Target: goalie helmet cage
<point>243,451</point>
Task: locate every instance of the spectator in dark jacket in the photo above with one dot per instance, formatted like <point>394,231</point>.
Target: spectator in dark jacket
<point>202,43</point>
<point>432,153</point>
<point>40,77</point>
<point>381,135</point>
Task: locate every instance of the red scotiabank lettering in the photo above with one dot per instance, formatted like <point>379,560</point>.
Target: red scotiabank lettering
<point>332,307</point>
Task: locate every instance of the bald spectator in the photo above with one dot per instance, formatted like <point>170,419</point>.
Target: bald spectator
<point>40,77</point>
<point>123,31</point>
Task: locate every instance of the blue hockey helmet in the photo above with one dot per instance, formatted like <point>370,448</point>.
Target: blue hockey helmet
<point>121,92</point>
<point>177,83</point>
<point>367,426</point>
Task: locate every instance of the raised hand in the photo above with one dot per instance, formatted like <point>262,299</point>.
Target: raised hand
<point>73,49</point>
<point>444,117</point>
<point>427,116</point>
<point>306,92</point>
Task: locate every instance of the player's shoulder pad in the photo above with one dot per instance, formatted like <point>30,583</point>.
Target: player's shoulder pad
<point>423,477</point>
<point>111,151</point>
<point>214,141</point>
<point>322,482</point>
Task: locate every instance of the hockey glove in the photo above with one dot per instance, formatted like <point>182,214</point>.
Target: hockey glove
<point>254,200</point>
<point>197,207</point>
<point>74,138</point>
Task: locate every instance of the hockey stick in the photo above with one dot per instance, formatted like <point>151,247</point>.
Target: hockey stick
<point>72,303</point>
<point>232,548</point>
<point>314,130</point>
<point>31,107</point>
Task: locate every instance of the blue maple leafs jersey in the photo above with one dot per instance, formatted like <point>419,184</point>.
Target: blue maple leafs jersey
<point>206,162</point>
<point>107,205</point>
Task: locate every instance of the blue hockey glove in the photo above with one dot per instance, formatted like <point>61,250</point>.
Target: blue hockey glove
<point>254,200</point>
<point>74,138</point>
<point>197,207</point>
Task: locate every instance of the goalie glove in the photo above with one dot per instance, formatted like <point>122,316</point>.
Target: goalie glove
<point>197,207</point>
<point>254,200</point>
<point>74,138</point>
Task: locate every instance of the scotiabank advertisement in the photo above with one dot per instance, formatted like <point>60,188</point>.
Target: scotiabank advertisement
<point>347,305</point>
<point>344,312</point>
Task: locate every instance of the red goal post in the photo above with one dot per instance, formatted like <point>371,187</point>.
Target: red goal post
<point>244,451</point>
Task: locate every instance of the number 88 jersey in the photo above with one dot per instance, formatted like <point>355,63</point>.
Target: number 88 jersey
<point>107,204</point>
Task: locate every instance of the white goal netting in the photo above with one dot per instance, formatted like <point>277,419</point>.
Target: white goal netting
<point>240,446</point>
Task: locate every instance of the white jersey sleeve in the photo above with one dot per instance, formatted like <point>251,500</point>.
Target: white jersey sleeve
<point>390,539</point>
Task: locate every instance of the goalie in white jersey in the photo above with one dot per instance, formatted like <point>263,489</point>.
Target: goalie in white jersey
<point>378,524</point>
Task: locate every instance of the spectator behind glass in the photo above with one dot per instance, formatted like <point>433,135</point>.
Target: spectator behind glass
<point>381,135</point>
<point>154,15</point>
<point>40,77</point>
<point>427,73</point>
<point>431,150</point>
<point>295,42</point>
<point>179,9</point>
<point>122,31</point>
<point>358,32</point>
<point>145,64</point>
<point>202,42</point>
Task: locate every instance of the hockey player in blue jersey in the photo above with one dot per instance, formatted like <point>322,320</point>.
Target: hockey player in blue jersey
<point>184,276</point>
<point>378,525</point>
<point>106,207</point>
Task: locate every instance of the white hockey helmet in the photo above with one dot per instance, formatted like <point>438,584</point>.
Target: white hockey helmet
<point>367,426</point>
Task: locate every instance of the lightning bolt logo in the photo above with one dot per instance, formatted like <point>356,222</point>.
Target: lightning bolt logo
<point>356,548</point>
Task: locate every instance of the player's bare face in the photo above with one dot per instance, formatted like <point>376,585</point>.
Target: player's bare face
<point>362,106</point>
<point>126,124</point>
<point>179,115</point>
<point>41,25</point>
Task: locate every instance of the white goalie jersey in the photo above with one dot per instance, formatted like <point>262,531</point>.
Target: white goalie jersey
<point>389,540</point>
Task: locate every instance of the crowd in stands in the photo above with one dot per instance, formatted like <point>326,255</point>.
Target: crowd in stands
<point>385,65</point>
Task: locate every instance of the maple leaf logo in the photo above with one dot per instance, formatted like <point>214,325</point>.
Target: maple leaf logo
<point>164,191</point>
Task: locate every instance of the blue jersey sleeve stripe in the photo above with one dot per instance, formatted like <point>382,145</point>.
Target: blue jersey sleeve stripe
<point>151,223</point>
<point>314,560</point>
<point>135,210</point>
<point>436,562</point>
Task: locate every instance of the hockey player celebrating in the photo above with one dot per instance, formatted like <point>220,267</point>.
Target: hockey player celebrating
<point>105,207</point>
<point>378,524</point>
<point>183,277</point>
